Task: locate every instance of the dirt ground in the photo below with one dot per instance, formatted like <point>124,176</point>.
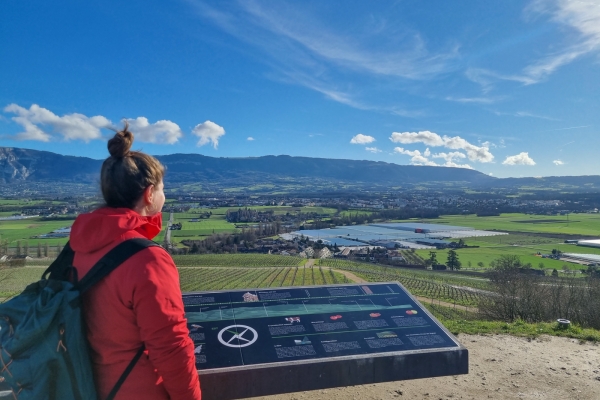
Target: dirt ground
<point>501,367</point>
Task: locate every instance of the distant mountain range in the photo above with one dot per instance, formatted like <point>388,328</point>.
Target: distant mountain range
<point>272,173</point>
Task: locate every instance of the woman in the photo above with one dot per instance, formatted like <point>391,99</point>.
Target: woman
<point>140,302</point>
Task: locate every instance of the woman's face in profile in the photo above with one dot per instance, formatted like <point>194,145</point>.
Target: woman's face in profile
<point>158,200</point>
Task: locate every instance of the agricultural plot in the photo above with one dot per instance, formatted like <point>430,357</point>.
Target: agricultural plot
<point>486,255</point>
<point>25,229</point>
<point>237,260</point>
<point>573,224</point>
<point>460,295</point>
<point>14,280</point>
<point>198,279</point>
<point>277,210</point>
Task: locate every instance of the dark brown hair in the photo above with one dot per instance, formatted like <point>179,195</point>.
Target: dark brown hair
<point>126,174</point>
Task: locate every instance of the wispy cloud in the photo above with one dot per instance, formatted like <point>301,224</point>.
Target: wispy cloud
<point>372,149</point>
<point>566,129</point>
<point>250,139</point>
<point>478,100</point>
<point>580,18</point>
<point>526,114</point>
<point>565,145</point>
<point>303,48</point>
<point>558,162</point>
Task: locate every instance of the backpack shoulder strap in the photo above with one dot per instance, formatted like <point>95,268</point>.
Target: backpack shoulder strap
<point>125,373</point>
<point>111,260</point>
<point>62,268</point>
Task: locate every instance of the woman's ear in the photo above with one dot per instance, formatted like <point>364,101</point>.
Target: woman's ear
<point>148,195</point>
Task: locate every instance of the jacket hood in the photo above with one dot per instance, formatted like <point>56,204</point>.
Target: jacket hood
<point>101,227</point>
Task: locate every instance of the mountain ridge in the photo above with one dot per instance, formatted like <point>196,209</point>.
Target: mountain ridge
<point>18,165</point>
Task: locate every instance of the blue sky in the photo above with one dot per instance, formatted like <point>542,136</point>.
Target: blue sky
<point>508,88</point>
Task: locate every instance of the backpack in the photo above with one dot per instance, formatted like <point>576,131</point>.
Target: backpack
<point>44,353</point>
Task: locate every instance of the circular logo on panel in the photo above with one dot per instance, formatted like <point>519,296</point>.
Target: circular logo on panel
<point>230,337</point>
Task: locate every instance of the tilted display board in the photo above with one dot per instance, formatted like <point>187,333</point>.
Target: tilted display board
<point>280,340</point>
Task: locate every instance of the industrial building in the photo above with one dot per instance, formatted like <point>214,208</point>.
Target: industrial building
<point>391,235</point>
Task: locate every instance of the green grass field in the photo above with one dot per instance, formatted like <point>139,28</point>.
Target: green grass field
<point>23,230</point>
<point>573,224</point>
<point>488,254</point>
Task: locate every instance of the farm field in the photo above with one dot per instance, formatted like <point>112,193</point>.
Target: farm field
<point>488,254</point>
<point>238,260</point>
<point>14,280</point>
<point>453,289</point>
<point>24,229</point>
<point>573,224</point>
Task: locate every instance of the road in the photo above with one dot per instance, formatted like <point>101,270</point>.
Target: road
<point>168,232</point>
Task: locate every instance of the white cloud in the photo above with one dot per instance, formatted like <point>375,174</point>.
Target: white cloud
<point>450,157</point>
<point>250,139</point>
<point>429,138</point>
<point>519,159</point>
<point>558,162</point>
<point>43,125</point>
<point>208,132</point>
<point>419,158</point>
<point>455,165</point>
<point>422,160</point>
<point>373,149</point>
<point>474,153</point>
<point>162,132</point>
<point>362,139</point>
<point>411,153</point>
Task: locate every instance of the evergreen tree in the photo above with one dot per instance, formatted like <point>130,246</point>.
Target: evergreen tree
<point>433,258</point>
<point>453,262</point>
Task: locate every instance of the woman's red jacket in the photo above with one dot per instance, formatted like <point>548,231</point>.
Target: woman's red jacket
<point>138,303</point>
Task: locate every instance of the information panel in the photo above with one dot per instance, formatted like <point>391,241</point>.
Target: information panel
<point>284,329</point>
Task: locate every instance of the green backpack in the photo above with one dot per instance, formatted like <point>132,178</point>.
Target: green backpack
<point>44,353</point>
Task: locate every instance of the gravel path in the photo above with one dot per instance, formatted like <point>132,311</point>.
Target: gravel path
<point>501,367</point>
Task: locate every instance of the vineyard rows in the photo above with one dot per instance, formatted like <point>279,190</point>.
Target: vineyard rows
<point>198,279</point>
<point>13,281</point>
<point>195,277</point>
<point>237,260</point>
<point>452,279</point>
<point>422,287</point>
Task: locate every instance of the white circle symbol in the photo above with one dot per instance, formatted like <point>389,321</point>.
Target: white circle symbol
<point>234,339</point>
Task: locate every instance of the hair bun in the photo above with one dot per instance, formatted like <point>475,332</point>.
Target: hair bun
<point>120,144</point>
